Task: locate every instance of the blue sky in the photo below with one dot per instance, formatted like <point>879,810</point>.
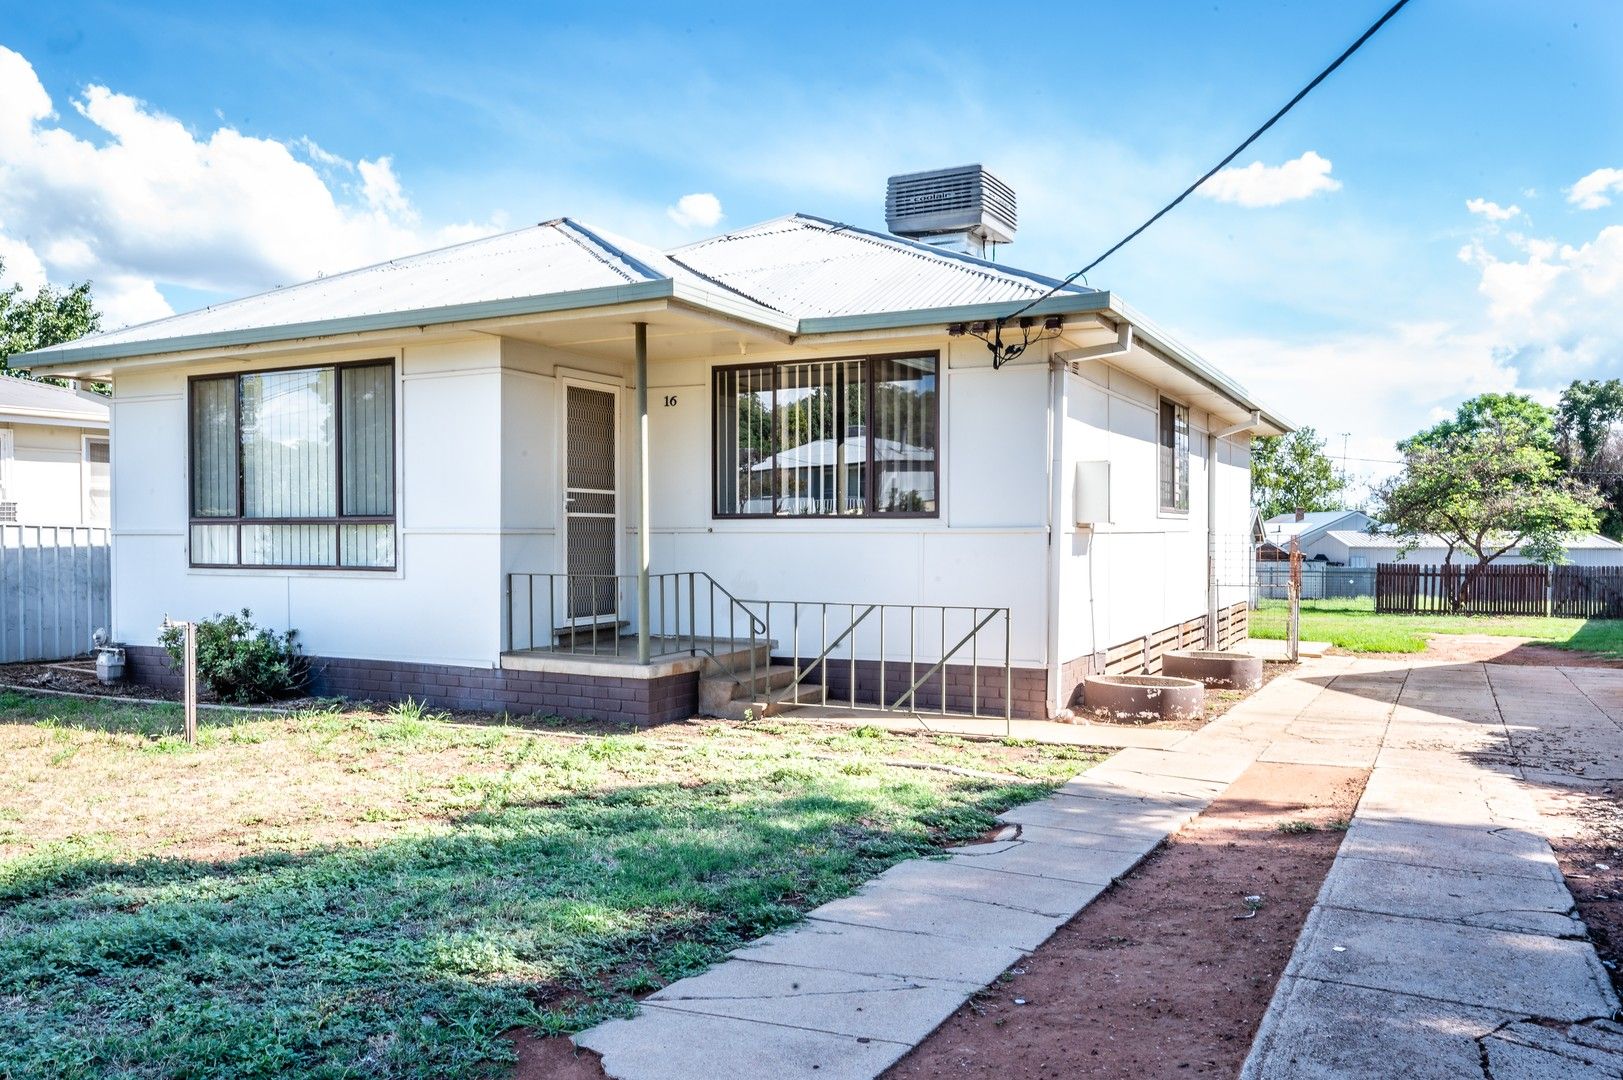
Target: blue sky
<point>1355,289</point>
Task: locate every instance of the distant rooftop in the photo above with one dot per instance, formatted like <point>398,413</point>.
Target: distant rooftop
<point>25,400</point>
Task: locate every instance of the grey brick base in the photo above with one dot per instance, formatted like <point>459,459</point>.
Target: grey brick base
<point>638,701</point>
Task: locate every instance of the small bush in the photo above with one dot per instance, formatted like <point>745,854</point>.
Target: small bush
<point>241,663</point>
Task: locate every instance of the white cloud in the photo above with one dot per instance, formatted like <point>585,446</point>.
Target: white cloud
<point>698,210</point>
<point>1270,185</point>
<point>1595,190</point>
<point>150,203</point>
<point>1492,210</point>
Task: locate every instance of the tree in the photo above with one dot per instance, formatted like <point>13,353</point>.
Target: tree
<point>49,317</point>
<point>1486,492</point>
<point>1489,411</point>
<point>1292,472</point>
<point>1585,429</point>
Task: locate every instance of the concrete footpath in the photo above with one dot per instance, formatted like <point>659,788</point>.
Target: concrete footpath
<point>862,980</point>
<point>1445,942</point>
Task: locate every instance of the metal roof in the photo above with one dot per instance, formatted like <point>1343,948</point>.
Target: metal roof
<point>794,276</point>
<point>816,268</point>
<point>554,257</point>
<point>24,400</point>
<point>1384,541</point>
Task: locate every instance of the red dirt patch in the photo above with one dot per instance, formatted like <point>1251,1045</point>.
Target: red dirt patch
<point>1158,977</point>
<point>1589,850</point>
<point>1488,649</point>
<point>554,1058</point>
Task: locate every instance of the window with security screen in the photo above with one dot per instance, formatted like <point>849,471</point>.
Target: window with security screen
<point>1173,457</point>
<point>845,437</point>
<point>294,468</point>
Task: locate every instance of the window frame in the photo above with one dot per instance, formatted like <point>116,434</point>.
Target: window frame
<point>339,519</point>
<point>871,489</point>
<point>1162,509</point>
<point>84,475</point>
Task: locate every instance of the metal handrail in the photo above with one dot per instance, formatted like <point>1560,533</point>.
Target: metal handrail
<point>693,613</point>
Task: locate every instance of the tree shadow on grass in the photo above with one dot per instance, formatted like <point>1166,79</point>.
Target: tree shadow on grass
<point>408,958</point>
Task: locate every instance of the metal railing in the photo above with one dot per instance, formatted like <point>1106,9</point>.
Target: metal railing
<point>908,658</point>
<point>916,659</point>
<point>689,613</point>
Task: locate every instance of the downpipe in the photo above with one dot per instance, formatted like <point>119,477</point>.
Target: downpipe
<point>1057,404</point>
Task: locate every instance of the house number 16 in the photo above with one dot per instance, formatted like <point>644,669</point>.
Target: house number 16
<point>670,399</point>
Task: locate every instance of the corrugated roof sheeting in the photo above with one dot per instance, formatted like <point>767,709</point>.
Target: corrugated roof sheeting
<point>26,395</point>
<point>1357,539</point>
<point>554,257</point>
<point>818,269</point>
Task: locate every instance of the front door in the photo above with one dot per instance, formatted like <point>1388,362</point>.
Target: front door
<point>591,511</point>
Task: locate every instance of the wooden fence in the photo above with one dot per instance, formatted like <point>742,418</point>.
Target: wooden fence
<point>1587,592</point>
<point>55,589</point>
<point>1579,592</point>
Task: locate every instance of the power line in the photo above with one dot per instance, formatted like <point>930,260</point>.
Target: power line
<point>1236,152</point>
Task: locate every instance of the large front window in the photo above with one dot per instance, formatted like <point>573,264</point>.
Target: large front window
<point>294,468</point>
<point>827,438</point>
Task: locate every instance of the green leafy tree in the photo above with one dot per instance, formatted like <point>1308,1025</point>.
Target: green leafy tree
<point>1292,472</point>
<point>1486,490</point>
<point>49,317</point>
<point>1585,429</point>
<point>1487,412</point>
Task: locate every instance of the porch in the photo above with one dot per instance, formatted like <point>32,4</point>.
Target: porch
<point>762,657</point>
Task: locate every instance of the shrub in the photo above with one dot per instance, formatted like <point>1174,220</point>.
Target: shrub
<point>240,662</point>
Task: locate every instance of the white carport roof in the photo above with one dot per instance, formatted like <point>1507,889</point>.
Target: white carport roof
<point>792,279</point>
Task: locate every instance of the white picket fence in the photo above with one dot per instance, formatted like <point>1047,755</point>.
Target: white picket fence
<point>55,590</point>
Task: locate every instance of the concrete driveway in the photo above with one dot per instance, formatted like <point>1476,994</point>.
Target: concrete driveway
<point>1445,942</point>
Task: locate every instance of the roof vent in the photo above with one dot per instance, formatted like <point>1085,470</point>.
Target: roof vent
<point>965,209</point>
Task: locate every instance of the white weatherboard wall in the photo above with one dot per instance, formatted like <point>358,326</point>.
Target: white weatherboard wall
<point>46,474</point>
<point>986,548</point>
<point>1148,567</point>
<point>443,602</point>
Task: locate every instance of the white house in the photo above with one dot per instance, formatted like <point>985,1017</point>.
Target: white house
<point>1308,529</point>
<point>1348,547</point>
<point>54,459</point>
<point>392,460</point>
<point>1351,538</point>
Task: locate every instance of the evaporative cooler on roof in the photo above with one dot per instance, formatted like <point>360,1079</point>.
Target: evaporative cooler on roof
<point>964,209</point>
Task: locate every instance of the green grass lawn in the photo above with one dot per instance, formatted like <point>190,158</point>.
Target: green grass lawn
<point>343,893</point>
<point>1354,625</point>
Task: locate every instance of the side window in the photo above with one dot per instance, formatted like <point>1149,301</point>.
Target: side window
<point>1173,458</point>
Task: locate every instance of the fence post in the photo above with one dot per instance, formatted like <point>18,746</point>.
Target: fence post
<point>191,684</point>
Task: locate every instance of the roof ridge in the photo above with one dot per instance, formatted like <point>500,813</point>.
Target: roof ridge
<point>603,246</point>
<point>943,254</point>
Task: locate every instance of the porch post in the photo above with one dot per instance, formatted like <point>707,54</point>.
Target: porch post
<point>643,560</point>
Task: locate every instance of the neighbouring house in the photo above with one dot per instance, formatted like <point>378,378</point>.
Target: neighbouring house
<point>1351,538</point>
<point>54,455</point>
<point>557,470</point>
<point>1348,547</point>
<point>1308,528</point>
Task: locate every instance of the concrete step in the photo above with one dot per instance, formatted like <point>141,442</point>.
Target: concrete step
<point>720,692</point>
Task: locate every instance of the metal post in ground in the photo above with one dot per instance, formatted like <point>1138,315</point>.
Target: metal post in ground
<point>643,551</point>
<point>191,684</point>
<point>1293,631</point>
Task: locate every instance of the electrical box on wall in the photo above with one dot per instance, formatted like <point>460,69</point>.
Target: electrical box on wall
<point>1091,498</point>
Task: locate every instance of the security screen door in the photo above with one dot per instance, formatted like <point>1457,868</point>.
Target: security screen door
<point>590,502</point>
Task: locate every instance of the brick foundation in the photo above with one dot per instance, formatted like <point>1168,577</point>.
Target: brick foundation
<point>1142,655</point>
<point>591,697</point>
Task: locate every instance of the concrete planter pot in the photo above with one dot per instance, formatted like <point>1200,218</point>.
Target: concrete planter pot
<point>1218,670</point>
<point>1144,699</point>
